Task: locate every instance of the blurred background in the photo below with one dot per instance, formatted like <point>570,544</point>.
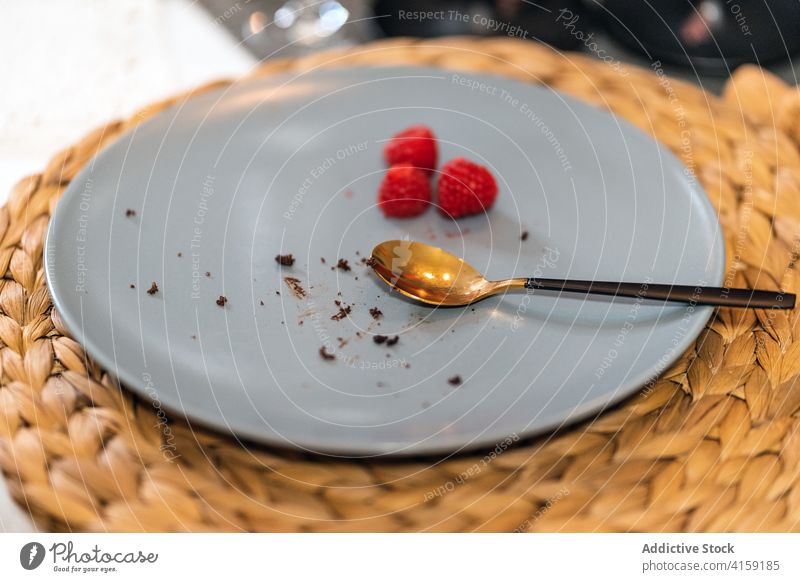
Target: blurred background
<point>709,37</point>
<point>72,64</point>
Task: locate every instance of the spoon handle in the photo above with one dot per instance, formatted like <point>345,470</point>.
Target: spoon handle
<point>720,296</point>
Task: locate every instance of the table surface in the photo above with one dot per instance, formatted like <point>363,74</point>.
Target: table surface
<point>92,62</point>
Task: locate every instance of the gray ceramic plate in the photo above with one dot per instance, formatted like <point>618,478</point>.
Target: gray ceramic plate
<point>225,181</point>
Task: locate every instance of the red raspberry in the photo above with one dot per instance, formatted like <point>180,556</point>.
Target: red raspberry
<point>465,188</point>
<point>404,192</point>
<point>415,145</point>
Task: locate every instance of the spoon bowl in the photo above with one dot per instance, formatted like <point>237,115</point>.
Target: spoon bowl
<point>428,274</point>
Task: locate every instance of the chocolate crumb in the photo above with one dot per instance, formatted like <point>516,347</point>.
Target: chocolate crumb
<point>277,292</point>
<point>153,289</point>
<point>343,264</point>
<point>455,380</point>
<point>261,303</point>
<point>379,339</point>
<point>285,260</point>
<point>524,235</point>
<point>194,337</point>
<point>295,287</point>
<point>375,313</point>
<point>133,286</point>
<point>208,273</point>
<point>322,260</point>
<point>325,354</point>
<point>342,313</point>
<point>180,255</point>
<point>392,340</point>
<point>130,212</point>
<point>222,300</point>
<point>370,262</point>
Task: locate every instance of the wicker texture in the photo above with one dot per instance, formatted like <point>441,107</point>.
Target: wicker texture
<point>713,445</point>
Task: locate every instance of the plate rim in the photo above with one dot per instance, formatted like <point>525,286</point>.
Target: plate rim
<point>368,450</point>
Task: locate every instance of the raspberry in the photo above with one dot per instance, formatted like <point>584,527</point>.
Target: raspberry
<point>465,188</point>
<point>405,191</point>
<point>415,145</point>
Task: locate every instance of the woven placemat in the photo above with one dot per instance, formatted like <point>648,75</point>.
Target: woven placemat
<point>714,444</point>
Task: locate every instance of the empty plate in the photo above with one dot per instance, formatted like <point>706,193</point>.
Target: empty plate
<point>198,201</point>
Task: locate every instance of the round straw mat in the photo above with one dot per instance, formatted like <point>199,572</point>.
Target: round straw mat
<point>713,445</point>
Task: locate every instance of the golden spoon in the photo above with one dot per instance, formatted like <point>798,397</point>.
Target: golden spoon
<point>434,276</point>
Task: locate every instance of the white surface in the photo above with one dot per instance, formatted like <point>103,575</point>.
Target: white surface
<point>94,61</point>
<point>70,65</point>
